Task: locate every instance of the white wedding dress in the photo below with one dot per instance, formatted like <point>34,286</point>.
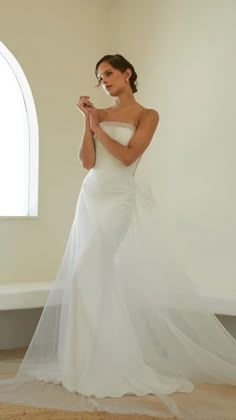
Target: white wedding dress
<point>124,329</point>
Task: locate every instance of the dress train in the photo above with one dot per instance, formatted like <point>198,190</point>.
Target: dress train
<point>124,329</point>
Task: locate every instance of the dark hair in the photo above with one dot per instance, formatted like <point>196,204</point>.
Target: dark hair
<point>119,62</point>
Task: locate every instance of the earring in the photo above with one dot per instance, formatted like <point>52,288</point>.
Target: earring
<point>127,80</point>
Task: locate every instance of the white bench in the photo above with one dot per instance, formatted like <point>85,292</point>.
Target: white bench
<point>21,305</point>
<point>23,295</point>
<point>28,295</point>
<point>221,304</point>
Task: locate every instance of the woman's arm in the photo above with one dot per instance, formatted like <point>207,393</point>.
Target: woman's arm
<point>87,152</point>
<point>138,143</point>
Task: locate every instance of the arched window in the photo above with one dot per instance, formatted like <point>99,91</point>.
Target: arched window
<point>18,141</point>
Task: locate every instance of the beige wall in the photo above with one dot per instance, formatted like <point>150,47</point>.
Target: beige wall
<point>184,54</point>
<point>57,43</point>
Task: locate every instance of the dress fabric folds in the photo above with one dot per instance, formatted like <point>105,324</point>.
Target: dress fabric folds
<point>124,329</point>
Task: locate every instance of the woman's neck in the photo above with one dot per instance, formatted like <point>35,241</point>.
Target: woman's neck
<point>124,101</point>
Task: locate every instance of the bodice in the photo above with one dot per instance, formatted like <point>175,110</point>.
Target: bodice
<point>121,132</point>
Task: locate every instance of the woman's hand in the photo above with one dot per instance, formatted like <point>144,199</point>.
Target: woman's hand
<point>84,105</point>
<point>94,119</point>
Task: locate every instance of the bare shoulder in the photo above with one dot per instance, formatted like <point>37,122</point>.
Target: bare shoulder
<point>148,115</point>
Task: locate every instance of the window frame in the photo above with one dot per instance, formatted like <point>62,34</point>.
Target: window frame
<point>33,134</point>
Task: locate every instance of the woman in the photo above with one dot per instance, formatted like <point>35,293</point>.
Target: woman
<point>122,320</point>
<point>118,82</point>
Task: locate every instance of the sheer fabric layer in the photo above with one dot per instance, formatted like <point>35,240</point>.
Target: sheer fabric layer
<point>124,330</point>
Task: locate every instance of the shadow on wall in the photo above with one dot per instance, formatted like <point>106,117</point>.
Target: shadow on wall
<point>17,326</point>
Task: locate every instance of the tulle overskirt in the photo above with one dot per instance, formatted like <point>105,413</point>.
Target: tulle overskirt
<point>124,329</point>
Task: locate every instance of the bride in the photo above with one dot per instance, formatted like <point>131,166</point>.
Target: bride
<point>124,329</point>
<point>119,82</point>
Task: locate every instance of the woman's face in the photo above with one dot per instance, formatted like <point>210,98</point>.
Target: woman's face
<point>113,80</point>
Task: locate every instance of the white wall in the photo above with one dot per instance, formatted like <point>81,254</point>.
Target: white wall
<point>57,43</point>
<point>184,53</point>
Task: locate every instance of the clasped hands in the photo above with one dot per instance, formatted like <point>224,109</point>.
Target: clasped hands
<point>88,109</point>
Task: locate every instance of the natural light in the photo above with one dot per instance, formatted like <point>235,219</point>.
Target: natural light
<point>18,141</point>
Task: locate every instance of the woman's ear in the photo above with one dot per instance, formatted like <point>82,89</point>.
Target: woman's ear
<point>128,73</point>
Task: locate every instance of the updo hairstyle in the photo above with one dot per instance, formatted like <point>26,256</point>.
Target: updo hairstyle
<point>119,62</point>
